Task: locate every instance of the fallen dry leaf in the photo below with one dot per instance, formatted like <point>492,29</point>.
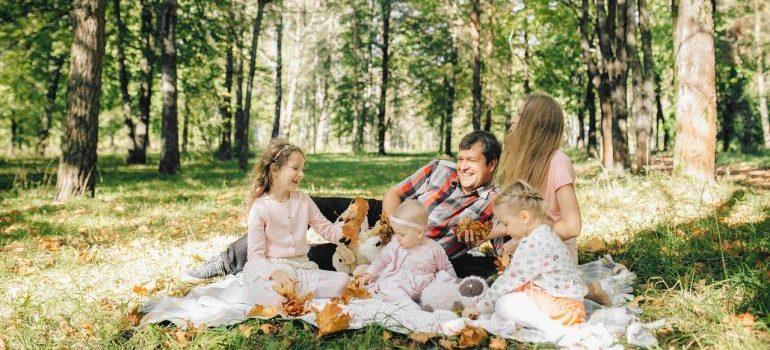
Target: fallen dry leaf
<point>595,245</point>
<point>746,320</point>
<point>386,335</point>
<point>497,343</point>
<point>354,217</point>
<point>87,328</point>
<point>294,305</point>
<point>87,255</point>
<point>479,230</point>
<point>447,344</point>
<point>51,244</point>
<point>597,294</point>
<point>183,337</point>
<point>140,290</point>
<point>383,229</point>
<point>471,336</point>
<point>421,337</point>
<point>65,326</point>
<point>353,290</point>
<point>331,319</point>
<point>245,330</point>
<point>133,317</point>
<point>261,311</point>
<point>268,328</point>
<point>198,258</point>
<point>502,262</point>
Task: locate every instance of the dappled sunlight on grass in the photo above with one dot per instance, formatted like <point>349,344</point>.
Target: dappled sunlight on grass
<point>68,271</point>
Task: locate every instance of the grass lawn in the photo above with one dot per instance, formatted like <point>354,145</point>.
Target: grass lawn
<point>67,272</point>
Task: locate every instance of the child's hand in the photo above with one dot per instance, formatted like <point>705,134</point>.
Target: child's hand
<point>365,279</point>
<point>510,247</point>
<point>281,277</point>
<point>471,312</point>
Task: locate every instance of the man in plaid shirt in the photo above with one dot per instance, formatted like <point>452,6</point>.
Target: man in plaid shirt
<point>454,191</point>
<point>449,191</point>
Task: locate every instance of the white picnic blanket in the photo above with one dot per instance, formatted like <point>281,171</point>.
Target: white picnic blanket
<point>605,327</point>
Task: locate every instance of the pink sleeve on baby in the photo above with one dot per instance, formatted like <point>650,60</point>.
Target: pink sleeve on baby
<point>442,261</point>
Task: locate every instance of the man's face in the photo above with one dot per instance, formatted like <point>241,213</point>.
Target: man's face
<point>472,167</point>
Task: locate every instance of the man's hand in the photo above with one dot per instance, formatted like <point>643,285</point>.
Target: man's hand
<point>281,277</point>
<point>365,279</point>
<point>471,312</point>
<point>467,238</point>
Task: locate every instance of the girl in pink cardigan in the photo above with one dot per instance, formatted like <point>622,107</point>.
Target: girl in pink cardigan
<point>279,215</point>
<point>278,218</point>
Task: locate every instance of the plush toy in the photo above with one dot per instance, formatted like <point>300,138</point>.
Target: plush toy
<point>366,253</point>
<point>449,293</point>
<point>344,259</point>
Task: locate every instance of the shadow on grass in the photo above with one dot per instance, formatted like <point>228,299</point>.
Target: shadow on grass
<point>706,249</point>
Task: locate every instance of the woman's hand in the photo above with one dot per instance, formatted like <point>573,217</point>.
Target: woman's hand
<point>281,277</point>
<point>365,279</point>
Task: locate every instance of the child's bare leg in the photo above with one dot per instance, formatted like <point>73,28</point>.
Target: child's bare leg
<point>519,308</point>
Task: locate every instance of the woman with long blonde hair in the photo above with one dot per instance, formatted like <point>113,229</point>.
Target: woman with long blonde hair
<point>531,152</point>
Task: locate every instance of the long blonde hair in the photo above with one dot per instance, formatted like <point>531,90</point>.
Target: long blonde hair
<point>273,158</point>
<point>529,146</point>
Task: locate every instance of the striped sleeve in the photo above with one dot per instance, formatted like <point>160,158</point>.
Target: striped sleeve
<point>415,184</point>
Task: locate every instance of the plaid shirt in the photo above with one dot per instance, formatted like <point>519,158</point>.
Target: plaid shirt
<point>437,187</point>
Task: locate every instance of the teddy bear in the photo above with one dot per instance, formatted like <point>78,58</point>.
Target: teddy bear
<point>450,293</point>
<point>356,262</point>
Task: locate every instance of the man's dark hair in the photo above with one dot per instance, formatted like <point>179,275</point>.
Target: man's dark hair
<point>489,144</point>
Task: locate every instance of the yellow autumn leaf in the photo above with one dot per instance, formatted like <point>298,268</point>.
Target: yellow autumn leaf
<point>140,290</point>
<point>330,319</point>
<point>245,330</point>
<point>497,343</point>
<point>471,336</point>
<point>421,337</point>
<point>595,245</point>
<point>268,328</point>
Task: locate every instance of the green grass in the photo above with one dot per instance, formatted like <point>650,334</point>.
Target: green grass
<point>702,251</point>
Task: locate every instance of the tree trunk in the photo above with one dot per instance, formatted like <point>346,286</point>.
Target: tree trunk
<point>142,134</point>
<point>761,88</point>
<point>451,94</point>
<point>386,7</point>
<point>123,77</point>
<point>605,29</point>
<point>169,140</point>
<point>645,112</point>
<point>694,151</point>
<point>278,76</point>
<point>242,123</point>
<point>185,116</point>
<point>620,87</point>
<point>322,95</point>
<point>50,102</point>
<point>77,165</point>
<point>587,46</point>
<point>293,74</point>
<point>239,76</point>
<point>225,151</point>
<point>477,104</point>
<point>488,82</point>
<point>641,116</point>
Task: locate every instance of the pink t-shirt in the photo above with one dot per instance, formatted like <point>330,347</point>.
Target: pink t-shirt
<point>560,173</point>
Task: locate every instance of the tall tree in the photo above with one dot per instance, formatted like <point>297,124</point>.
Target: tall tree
<point>694,151</point>
<point>169,141</point>
<point>612,21</point>
<point>761,88</point>
<point>477,103</point>
<point>124,78</point>
<point>225,150</point>
<point>385,45</point>
<point>56,65</point>
<point>242,123</point>
<point>77,165</point>
<point>278,74</point>
<point>644,86</point>
<point>142,133</point>
<point>592,75</point>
